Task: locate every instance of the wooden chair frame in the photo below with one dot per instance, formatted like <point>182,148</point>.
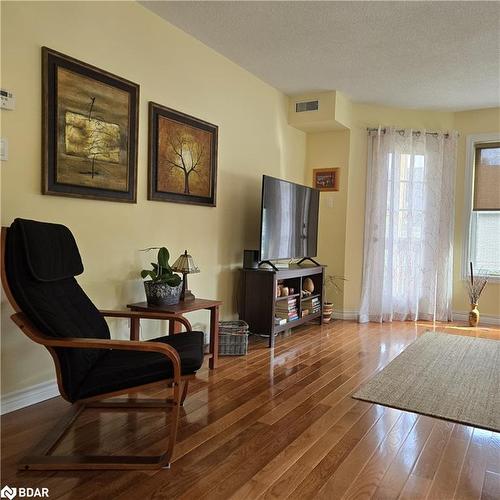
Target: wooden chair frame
<point>40,458</point>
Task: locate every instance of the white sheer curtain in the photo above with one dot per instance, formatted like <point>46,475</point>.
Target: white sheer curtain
<point>407,270</point>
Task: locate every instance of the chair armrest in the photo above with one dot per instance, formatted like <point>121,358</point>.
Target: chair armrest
<point>147,315</point>
<point>32,331</point>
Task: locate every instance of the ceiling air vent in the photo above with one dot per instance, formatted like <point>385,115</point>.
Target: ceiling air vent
<point>300,107</point>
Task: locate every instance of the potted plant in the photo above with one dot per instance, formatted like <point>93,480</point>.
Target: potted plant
<point>164,287</point>
<point>336,283</point>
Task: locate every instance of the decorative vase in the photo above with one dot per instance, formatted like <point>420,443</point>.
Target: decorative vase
<point>327,312</point>
<point>161,294</point>
<point>284,291</point>
<point>308,285</point>
<point>474,315</point>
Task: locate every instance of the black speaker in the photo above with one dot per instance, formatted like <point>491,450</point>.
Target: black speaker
<point>251,259</point>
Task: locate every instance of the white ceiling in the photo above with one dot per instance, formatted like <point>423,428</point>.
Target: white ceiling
<point>439,55</point>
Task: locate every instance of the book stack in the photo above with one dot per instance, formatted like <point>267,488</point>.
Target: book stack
<point>287,309</point>
<point>312,305</point>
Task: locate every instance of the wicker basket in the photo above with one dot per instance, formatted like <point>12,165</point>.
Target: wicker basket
<point>233,338</point>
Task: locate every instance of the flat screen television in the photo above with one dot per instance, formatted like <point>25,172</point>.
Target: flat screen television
<point>288,220</point>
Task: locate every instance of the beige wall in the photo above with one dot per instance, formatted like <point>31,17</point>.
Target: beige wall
<point>329,148</point>
<point>324,150</point>
<point>173,69</point>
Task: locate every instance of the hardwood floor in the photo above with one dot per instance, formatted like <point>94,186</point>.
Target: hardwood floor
<point>274,425</point>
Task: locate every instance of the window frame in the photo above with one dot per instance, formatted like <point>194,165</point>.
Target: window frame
<point>470,158</point>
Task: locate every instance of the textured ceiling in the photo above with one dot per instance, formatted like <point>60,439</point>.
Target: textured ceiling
<point>439,55</point>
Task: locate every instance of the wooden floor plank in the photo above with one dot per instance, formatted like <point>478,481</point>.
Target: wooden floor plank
<point>491,486</point>
<point>395,478</point>
<point>338,450</point>
<point>370,476</point>
<point>471,480</point>
<point>447,473</point>
<point>420,480</point>
<point>340,481</point>
<point>292,477</point>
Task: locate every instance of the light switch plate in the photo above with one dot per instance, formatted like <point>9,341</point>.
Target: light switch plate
<point>4,149</point>
<point>7,100</point>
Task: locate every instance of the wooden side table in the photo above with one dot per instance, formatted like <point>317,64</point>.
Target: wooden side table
<point>180,309</point>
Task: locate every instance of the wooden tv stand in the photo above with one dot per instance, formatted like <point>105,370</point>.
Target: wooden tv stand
<point>258,297</point>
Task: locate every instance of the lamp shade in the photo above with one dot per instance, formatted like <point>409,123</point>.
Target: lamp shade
<point>185,264</point>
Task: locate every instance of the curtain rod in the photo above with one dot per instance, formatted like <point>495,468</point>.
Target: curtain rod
<point>402,131</point>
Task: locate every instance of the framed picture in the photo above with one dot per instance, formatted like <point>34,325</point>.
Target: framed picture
<point>326,179</point>
<point>90,127</point>
<point>182,157</point>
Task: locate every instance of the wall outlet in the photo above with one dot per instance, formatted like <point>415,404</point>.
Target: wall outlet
<point>7,100</point>
<point>4,149</point>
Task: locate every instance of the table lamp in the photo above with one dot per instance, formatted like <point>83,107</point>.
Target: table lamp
<point>185,265</point>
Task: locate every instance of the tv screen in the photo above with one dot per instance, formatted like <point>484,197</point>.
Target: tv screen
<point>289,220</point>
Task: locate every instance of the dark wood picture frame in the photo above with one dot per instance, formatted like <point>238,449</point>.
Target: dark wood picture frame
<point>178,119</point>
<point>126,138</point>
<point>326,179</point>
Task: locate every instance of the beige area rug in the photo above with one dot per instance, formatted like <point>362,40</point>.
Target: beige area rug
<point>447,376</point>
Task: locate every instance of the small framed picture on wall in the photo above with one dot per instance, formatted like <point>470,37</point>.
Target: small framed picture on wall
<point>326,179</point>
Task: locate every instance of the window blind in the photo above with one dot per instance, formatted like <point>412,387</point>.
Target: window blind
<point>487,177</point>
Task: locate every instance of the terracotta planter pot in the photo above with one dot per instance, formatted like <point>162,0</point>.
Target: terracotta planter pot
<point>327,312</point>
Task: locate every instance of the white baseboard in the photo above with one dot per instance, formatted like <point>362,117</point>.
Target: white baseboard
<point>31,395</point>
<point>484,319</point>
<point>346,315</point>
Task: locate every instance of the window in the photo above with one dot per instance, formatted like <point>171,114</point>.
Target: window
<point>405,214</point>
<point>409,215</point>
<point>483,238</point>
<point>405,195</point>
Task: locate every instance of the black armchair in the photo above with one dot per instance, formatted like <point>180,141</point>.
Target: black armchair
<point>39,265</point>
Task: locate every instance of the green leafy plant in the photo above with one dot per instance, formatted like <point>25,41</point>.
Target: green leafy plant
<point>161,272</point>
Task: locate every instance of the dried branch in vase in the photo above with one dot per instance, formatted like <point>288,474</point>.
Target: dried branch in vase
<point>475,286</point>
<point>336,283</point>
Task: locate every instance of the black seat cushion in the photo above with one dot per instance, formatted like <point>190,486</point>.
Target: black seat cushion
<point>119,370</point>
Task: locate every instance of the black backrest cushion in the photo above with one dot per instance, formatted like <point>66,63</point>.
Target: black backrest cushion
<point>51,250</point>
<point>55,304</point>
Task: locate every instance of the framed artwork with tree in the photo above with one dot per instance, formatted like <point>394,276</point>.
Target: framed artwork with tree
<point>90,130</point>
<point>182,157</point>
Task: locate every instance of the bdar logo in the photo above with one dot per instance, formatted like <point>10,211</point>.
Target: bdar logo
<point>8,492</point>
